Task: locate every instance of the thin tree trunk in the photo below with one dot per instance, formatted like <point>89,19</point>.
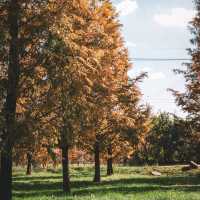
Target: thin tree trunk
<point>125,161</point>
<point>10,105</point>
<point>109,161</point>
<point>29,164</point>
<point>97,175</point>
<point>65,167</point>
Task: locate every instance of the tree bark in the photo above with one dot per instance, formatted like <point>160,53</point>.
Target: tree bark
<point>109,161</point>
<point>6,174</point>
<point>10,105</point>
<point>97,175</point>
<point>65,167</point>
<point>29,164</point>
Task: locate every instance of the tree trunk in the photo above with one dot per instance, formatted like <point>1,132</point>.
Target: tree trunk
<point>65,167</point>
<point>109,161</point>
<point>6,174</point>
<point>125,161</point>
<point>10,105</point>
<point>29,164</point>
<point>97,175</point>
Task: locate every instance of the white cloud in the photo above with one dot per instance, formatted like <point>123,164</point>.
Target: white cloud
<point>130,44</point>
<point>146,69</point>
<point>156,75</point>
<point>126,7</point>
<point>178,17</point>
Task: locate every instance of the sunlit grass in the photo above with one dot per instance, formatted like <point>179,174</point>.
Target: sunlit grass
<point>134,183</point>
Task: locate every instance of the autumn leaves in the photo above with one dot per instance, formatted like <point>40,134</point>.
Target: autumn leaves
<point>67,83</point>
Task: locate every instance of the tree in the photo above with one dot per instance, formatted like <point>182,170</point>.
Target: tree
<point>169,140</point>
<point>162,138</point>
<point>73,80</point>
<point>132,122</point>
<point>190,99</point>
<point>10,105</point>
<point>114,62</point>
<point>106,47</point>
<point>64,69</point>
<point>111,80</point>
<point>25,26</point>
<point>127,123</point>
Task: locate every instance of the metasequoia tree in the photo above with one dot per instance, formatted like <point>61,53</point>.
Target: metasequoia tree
<point>38,91</point>
<point>74,80</point>
<point>25,30</point>
<point>63,68</point>
<point>190,99</point>
<point>127,123</point>
<point>114,63</point>
<point>86,82</point>
<point>112,79</point>
<point>11,98</point>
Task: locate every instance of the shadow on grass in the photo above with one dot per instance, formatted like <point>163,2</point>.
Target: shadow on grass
<point>35,178</point>
<point>43,186</point>
<point>77,172</point>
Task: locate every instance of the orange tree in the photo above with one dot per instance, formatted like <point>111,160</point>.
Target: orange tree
<point>109,108</point>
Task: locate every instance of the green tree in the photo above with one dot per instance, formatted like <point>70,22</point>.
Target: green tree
<point>170,140</point>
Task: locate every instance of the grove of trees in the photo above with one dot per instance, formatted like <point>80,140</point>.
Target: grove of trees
<point>64,82</point>
<point>170,140</point>
<point>65,90</point>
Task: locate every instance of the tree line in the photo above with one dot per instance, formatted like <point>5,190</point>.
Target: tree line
<point>64,82</point>
<point>170,140</point>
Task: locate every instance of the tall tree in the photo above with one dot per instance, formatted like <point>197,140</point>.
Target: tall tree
<point>190,99</point>
<point>25,30</point>
<point>73,80</point>
<point>111,77</point>
<point>11,98</point>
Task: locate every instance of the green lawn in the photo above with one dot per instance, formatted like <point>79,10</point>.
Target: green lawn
<point>134,183</point>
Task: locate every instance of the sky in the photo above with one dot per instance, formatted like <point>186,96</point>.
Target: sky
<point>157,29</point>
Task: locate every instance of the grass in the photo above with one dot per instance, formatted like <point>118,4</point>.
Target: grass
<point>128,183</point>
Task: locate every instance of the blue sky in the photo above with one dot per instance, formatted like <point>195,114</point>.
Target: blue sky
<point>157,29</point>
